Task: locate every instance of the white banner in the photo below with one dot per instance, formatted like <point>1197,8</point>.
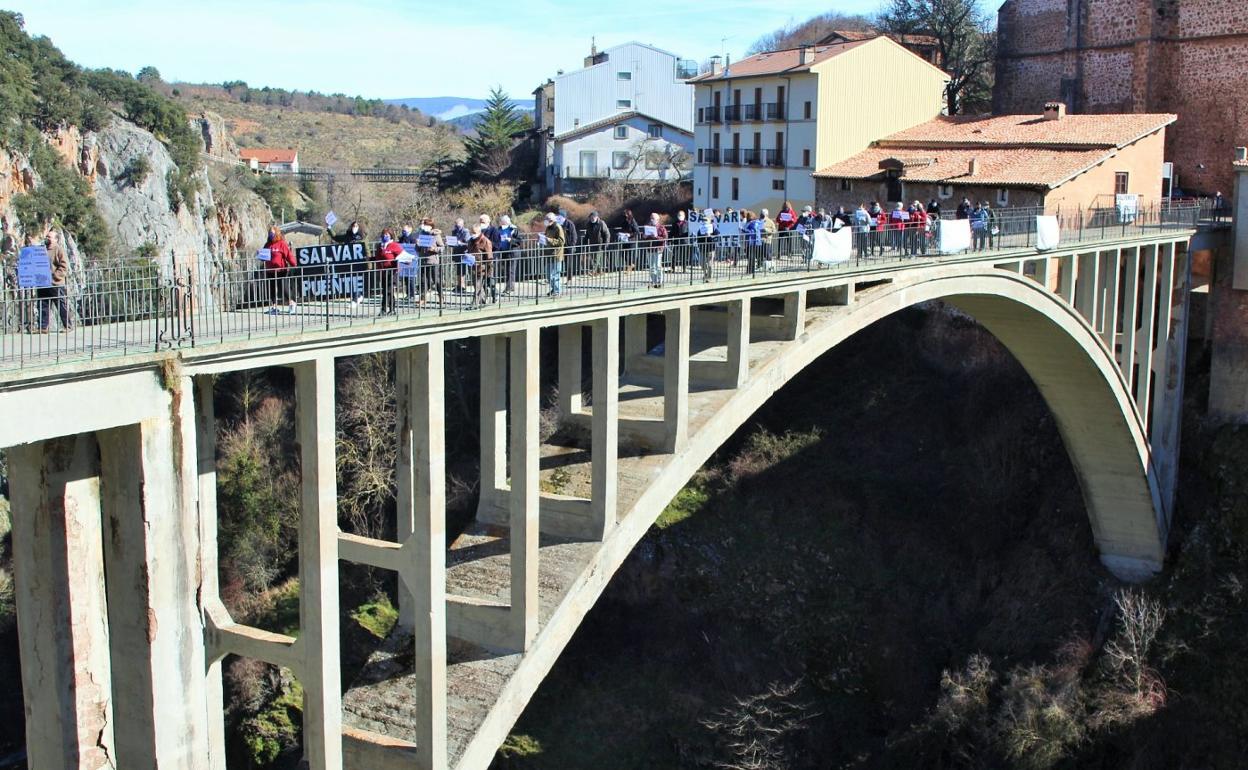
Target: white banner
<point>831,248</point>
<point>1048,233</point>
<point>953,235</point>
<point>330,218</point>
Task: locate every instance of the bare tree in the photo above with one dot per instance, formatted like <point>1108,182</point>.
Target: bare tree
<point>966,41</point>
<point>754,731</point>
<point>812,30</point>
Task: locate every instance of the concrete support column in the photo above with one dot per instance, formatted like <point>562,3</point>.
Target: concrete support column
<point>1168,401</point>
<point>676,377</point>
<point>794,314</point>
<point>634,338</point>
<point>318,565</point>
<point>58,565</point>
<point>1130,304</point>
<point>493,419</point>
<point>606,423</point>
<point>1144,338</point>
<point>570,380</point>
<point>1087,283</point>
<point>1109,298</point>
<point>419,390</point>
<point>206,501</point>
<point>525,494</point>
<point>152,549</point>
<point>738,342</point>
<point>1162,347</point>
<point>1066,279</point>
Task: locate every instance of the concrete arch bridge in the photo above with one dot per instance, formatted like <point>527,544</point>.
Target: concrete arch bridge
<point>114,491</point>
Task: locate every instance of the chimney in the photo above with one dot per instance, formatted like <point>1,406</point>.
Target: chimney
<point>1241,154</point>
<point>1054,110</point>
<point>716,65</point>
<point>973,167</point>
<point>807,54</point>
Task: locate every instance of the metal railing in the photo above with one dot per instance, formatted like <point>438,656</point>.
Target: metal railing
<point>113,309</point>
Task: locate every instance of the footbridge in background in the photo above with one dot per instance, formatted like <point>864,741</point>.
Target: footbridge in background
<point>112,473</point>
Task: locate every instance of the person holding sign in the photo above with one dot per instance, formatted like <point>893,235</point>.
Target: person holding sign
<point>354,234</point>
<point>55,294</point>
<point>655,235</point>
<point>769,229</point>
<point>554,241</point>
<point>786,227</point>
<point>429,247</point>
<point>481,256</point>
<point>277,271</point>
<point>384,267</point>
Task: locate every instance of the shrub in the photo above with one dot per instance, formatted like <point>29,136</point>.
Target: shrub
<point>136,171</point>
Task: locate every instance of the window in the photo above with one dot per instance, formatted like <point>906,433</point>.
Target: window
<point>806,111</point>
<point>620,160</point>
<point>777,184</point>
<point>624,75</point>
<point>847,185</point>
<point>700,112</point>
<point>655,130</point>
<point>805,158</point>
<point>714,187</point>
<point>736,189</point>
<point>1003,197</point>
<point>621,132</point>
<point>624,104</point>
<point>945,191</point>
<point>1121,180</point>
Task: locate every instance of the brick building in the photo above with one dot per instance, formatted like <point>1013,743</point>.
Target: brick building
<point>1052,160</point>
<point>1108,56</point>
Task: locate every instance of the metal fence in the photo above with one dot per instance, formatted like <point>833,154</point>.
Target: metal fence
<point>111,309</point>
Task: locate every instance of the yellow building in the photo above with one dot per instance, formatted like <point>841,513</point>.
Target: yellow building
<point>765,123</point>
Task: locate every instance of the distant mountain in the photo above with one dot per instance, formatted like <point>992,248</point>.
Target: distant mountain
<point>460,112</point>
<point>443,107</point>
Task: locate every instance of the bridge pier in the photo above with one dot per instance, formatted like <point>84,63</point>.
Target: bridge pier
<point>676,377</point>
<point>794,314</point>
<point>58,562</point>
<point>605,438</point>
<point>493,457</point>
<point>525,495</point>
<point>570,374</point>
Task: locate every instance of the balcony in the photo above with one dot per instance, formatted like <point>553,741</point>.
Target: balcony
<point>732,157</point>
<point>752,157</point>
<point>773,158</point>
<point>774,110</point>
<point>711,115</point>
<point>710,156</point>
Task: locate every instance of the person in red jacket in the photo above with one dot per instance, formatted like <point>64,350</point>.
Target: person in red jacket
<point>786,224</point>
<point>385,267</point>
<point>277,271</point>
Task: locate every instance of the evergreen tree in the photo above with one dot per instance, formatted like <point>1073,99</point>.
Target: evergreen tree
<point>489,152</point>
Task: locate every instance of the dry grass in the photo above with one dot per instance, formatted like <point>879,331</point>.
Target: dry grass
<point>331,140</point>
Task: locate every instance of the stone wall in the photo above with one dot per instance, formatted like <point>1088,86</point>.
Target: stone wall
<point>1133,56</point>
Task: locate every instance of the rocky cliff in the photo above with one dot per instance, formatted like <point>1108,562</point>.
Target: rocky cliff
<point>127,168</point>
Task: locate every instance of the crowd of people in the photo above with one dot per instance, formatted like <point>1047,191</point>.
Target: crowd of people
<point>486,259</point>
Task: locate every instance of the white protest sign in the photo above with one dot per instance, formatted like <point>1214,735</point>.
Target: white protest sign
<point>34,271</point>
<point>426,241</point>
<point>330,219</point>
<point>650,231</point>
<point>786,216</point>
<point>730,228</point>
<point>264,255</point>
<point>409,253</point>
<point>831,248</point>
<point>623,237</point>
<point>953,235</point>
<point>452,240</point>
<point>1048,233</point>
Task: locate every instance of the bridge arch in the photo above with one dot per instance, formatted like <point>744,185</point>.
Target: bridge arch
<point>1097,418</point>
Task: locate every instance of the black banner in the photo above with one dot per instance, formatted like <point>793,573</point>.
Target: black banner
<point>336,269</point>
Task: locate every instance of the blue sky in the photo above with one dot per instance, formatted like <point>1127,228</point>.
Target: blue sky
<point>392,48</point>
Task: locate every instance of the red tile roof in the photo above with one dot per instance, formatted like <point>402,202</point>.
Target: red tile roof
<point>1032,131</point>
<point>1019,150</point>
<point>777,62</point>
<point>867,34</point>
<point>264,155</point>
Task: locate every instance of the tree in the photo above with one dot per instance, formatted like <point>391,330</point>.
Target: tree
<point>489,152</point>
<point>149,75</point>
<point>966,41</point>
<point>812,30</point>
